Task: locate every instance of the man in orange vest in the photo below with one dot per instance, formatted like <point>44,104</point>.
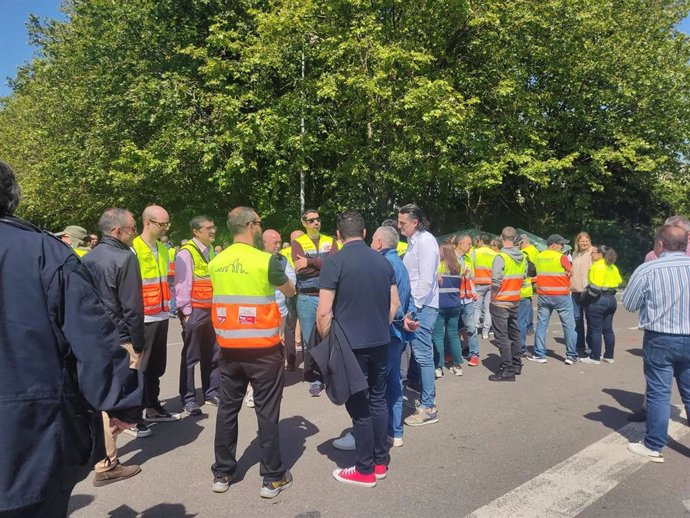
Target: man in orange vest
<point>193,292</point>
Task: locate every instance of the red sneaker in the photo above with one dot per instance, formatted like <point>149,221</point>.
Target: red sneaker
<point>380,470</point>
<point>474,361</point>
<point>353,477</point>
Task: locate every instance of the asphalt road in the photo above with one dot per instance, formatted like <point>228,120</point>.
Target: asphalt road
<point>493,441</point>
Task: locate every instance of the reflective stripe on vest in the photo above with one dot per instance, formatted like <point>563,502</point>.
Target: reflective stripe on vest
<point>483,259</point>
<point>154,276</point>
<point>306,283</point>
<point>202,291</point>
<point>244,310</point>
<point>171,262</point>
<point>552,279</point>
<point>513,277</point>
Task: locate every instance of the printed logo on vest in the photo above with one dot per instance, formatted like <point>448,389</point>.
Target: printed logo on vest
<point>221,314</point>
<point>247,316</point>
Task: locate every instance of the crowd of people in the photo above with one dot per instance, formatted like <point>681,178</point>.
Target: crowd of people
<point>374,322</point>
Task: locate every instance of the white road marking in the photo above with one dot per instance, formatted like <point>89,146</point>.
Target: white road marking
<point>576,483</point>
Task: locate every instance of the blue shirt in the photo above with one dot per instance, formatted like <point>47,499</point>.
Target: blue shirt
<point>402,279</point>
<point>660,289</point>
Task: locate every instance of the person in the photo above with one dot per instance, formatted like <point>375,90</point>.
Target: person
<point>153,265</point>
<point>495,245</point>
<point>58,370</point>
<point>450,277</point>
<point>171,274</point>
<point>401,247</point>
<point>508,272</point>
<point>93,241</point>
<point>76,237</point>
<point>358,291</point>
<point>603,280</point>
<point>308,253</point>
<point>421,262</point>
<point>115,272</point>
<point>483,259</point>
<point>530,251</point>
<point>246,321</point>
<point>582,262</point>
<point>468,296</point>
<point>218,249</point>
<point>272,245</point>
<point>193,291</point>
<point>553,288</point>
<point>659,290</point>
<point>676,221</point>
<point>290,333</point>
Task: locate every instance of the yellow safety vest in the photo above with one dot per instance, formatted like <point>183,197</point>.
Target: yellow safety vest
<point>513,278</point>
<point>602,275</point>
<point>244,312</point>
<point>526,291</point>
<point>401,248</point>
<point>202,291</point>
<point>171,262</point>
<point>80,252</point>
<point>311,284</point>
<point>154,276</point>
<point>483,259</point>
<point>552,279</point>
<point>287,252</point>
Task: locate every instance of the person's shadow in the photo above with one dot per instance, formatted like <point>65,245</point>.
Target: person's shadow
<point>342,457</point>
<point>157,511</point>
<point>492,362</point>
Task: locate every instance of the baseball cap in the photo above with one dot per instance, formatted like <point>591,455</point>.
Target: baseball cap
<point>556,238</point>
<point>75,232</point>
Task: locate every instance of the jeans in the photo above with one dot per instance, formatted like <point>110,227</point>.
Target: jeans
<point>665,357</point>
<point>524,312</point>
<point>394,393</point>
<point>507,334</point>
<point>369,410</point>
<point>482,313</point>
<point>306,312</point>
<point>579,310</point>
<point>563,304</point>
<point>468,316</point>
<point>530,313</point>
<point>423,352</point>
<point>600,322</point>
<point>447,326</point>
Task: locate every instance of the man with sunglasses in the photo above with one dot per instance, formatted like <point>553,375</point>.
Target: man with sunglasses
<point>309,251</point>
<point>153,264</point>
<point>194,296</point>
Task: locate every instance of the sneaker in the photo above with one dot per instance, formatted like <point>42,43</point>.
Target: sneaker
<point>273,488</point>
<point>139,431</point>
<point>160,415</point>
<point>315,389</point>
<point>221,483</point>
<point>422,416</point>
<point>456,369</point>
<point>192,408</point>
<point>355,478</point>
<point>607,360</point>
<point>213,401</point>
<point>639,448</point>
<point>395,442</point>
<point>502,376</point>
<point>485,335</point>
<point>588,351</point>
<point>474,361</point>
<point>115,474</point>
<point>491,332</point>
<point>380,471</point>
<point>345,443</point>
<point>589,361</point>
<point>570,361</point>
<point>536,359</point>
<point>439,373</point>
<point>249,400</point>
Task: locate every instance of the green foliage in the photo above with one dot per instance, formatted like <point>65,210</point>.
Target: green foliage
<point>545,114</point>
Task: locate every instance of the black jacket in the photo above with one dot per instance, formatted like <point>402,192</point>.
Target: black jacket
<point>116,273</point>
<point>60,363</point>
<point>334,363</point>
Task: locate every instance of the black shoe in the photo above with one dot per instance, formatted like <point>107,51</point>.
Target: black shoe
<point>502,376</point>
<point>213,401</point>
<point>517,369</point>
<point>192,408</point>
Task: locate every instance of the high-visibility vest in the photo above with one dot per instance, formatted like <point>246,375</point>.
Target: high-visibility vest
<point>202,291</point>
<point>527,290</point>
<point>244,312</point>
<point>483,259</point>
<point>154,276</point>
<point>467,290</point>
<point>401,248</point>
<point>513,278</point>
<point>305,283</point>
<point>602,275</point>
<point>552,279</point>
<point>287,253</point>
<point>531,252</point>
<point>80,252</point>
<point>171,262</point>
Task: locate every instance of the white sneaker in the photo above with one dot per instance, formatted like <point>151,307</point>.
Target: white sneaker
<point>639,448</point>
<point>345,443</point>
<point>485,335</point>
<point>537,359</point>
<point>439,373</point>
<point>607,360</point>
<point>456,369</point>
<point>589,361</point>
<point>395,442</point>
<point>570,361</point>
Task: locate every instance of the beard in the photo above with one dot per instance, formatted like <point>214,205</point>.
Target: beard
<point>258,240</point>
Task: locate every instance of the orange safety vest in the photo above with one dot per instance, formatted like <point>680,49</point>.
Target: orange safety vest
<point>483,259</point>
<point>513,277</point>
<point>154,276</point>
<point>552,278</point>
<point>202,290</point>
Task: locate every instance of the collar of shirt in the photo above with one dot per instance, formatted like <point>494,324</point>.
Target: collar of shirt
<point>670,254</point>
<point>356,242</point>
<point>202,247</point>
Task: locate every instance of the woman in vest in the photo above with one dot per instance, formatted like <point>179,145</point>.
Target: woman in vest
<point>446,328</point>
<point>603,280</point>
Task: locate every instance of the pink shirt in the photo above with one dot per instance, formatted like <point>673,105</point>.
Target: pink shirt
<point>651,255</point>
<point>184,273</point>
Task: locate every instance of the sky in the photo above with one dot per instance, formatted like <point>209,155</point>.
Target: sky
<point>14,46</point>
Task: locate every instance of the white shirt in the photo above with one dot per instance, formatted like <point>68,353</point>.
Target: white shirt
<point>280,298</point>
<point>422,260</point>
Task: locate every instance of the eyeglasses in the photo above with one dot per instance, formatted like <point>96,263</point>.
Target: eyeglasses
<point>211,228</point>
<point>255,222</point>
<point>161,225</point>
<point>312,220</point>
<point>130,230</point>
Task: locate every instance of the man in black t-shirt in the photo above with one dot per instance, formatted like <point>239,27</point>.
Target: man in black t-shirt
<point>357,288</point>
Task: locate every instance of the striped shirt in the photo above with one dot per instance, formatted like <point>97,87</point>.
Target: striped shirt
<point>660,289</point>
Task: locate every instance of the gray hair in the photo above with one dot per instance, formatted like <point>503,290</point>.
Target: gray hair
<point>112,218</point>
<point>388,235</point>
<point>9,190</point>
<point>195,223</point>
<point>239,218</point>
<point>678,221</point>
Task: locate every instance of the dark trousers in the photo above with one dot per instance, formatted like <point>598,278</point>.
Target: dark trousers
<point>579,311</point>
<point>600,323</point>
<point>199,347</point>
<point>156,351</point>
<point>369,410</point>
<point>53,507</point>
<point>507,333</point>
<point>290,324</point>
<point>265,370</point>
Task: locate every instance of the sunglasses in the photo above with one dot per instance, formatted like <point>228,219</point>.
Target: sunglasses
<point>312,220</point>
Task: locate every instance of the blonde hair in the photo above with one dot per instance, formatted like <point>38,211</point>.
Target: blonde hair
<point>576,248</point>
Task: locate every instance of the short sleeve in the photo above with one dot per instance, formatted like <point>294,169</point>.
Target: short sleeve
<point>330,274</point>
<point>276,272</point>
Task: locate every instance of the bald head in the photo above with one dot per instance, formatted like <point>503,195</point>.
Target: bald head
<point>272,241</point>
<point>156,222</point>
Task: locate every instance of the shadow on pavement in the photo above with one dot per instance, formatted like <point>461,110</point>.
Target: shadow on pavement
<point>492,362</point>
<point>630,400</point>
<point>157,511</point>
<point>635,352</point>
<point>76,502</point>
<point>295,377</point>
